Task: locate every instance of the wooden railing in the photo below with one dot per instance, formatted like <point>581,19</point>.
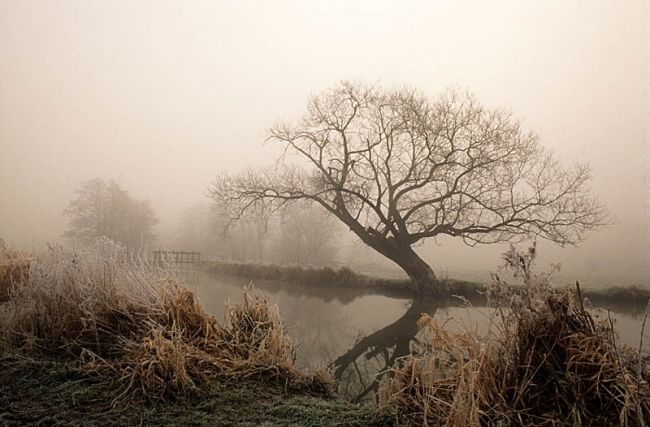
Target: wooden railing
<point>179,258</point>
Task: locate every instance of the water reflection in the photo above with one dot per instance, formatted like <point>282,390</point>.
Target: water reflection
<point>358,334</point>
<point>361,368</point>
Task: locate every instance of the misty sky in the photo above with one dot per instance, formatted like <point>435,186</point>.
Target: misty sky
<point>162,95</point>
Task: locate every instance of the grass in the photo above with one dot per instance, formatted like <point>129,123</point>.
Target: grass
<point>14,268</point>
<point>545,362</point>
<point>62,394</point>
<point>98,337</point>
<point>136,329</point>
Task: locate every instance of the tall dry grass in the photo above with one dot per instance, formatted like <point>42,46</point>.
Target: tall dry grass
<point>14,269</point>
<point>136,326</point>
<point>545,361</point>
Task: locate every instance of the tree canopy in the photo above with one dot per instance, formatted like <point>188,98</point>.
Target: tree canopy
<point>104,209</point>
<point>398,167</point>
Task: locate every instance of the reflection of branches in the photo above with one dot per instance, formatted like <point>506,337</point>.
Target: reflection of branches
<point>378,351</point>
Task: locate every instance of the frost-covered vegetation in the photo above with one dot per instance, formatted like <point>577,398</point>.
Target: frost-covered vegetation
<point>127,336</point>
<point>140,330</point>
<point>14,267</point>
<point>546,361</point>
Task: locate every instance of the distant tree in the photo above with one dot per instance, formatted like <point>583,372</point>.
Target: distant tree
<point>305,235</point>
<point>301,235</point>
<point>105,209</point>
<point>199,230</point>
<point>191,231</point>
<point>204,228</point>
<point>398,168</point>
<point>246,240</point>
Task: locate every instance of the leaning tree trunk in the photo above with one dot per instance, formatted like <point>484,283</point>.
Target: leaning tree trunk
<point>422,276</point>
<point>420,273</point>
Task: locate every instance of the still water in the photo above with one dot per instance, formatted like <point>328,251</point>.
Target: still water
<point>358,334</point>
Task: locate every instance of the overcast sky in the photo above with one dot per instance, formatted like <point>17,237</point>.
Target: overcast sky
<point>162,95</point>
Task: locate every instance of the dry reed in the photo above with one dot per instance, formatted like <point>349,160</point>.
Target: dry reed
<point>545,362</point>
<point>135,325</point>
<point>14,269</point>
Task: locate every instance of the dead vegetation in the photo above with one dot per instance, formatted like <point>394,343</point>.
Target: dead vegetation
<point>14,268</point>
<point>138,328</point>
<point>546,361</point>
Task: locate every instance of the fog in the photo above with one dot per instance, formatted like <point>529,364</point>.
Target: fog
<point>161,96</point>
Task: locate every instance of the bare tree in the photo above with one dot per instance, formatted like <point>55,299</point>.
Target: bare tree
<point>245,240</point>
<point>305,235</point>
<point>397,168</point>
<point>103,208</point>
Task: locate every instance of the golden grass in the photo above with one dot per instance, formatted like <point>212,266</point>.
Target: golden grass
<point>548,363</point>
<point>139,328</point>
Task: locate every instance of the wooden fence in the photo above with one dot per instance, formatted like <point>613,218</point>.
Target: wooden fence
<point>179,258</point>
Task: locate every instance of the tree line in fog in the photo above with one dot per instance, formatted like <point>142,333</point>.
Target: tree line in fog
<point>297,234</point>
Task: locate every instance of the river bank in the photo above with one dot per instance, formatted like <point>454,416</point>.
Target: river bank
<point>93,337</point>
<point>61,394</point>
<point>343,277</point>
<point>630,299</point>
<point>547,360</point>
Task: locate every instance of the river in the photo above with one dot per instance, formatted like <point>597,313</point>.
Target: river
<point>356,333</point>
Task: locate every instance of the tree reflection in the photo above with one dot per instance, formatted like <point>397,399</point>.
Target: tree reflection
<point>360,370</point>
<point>321,319</point>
